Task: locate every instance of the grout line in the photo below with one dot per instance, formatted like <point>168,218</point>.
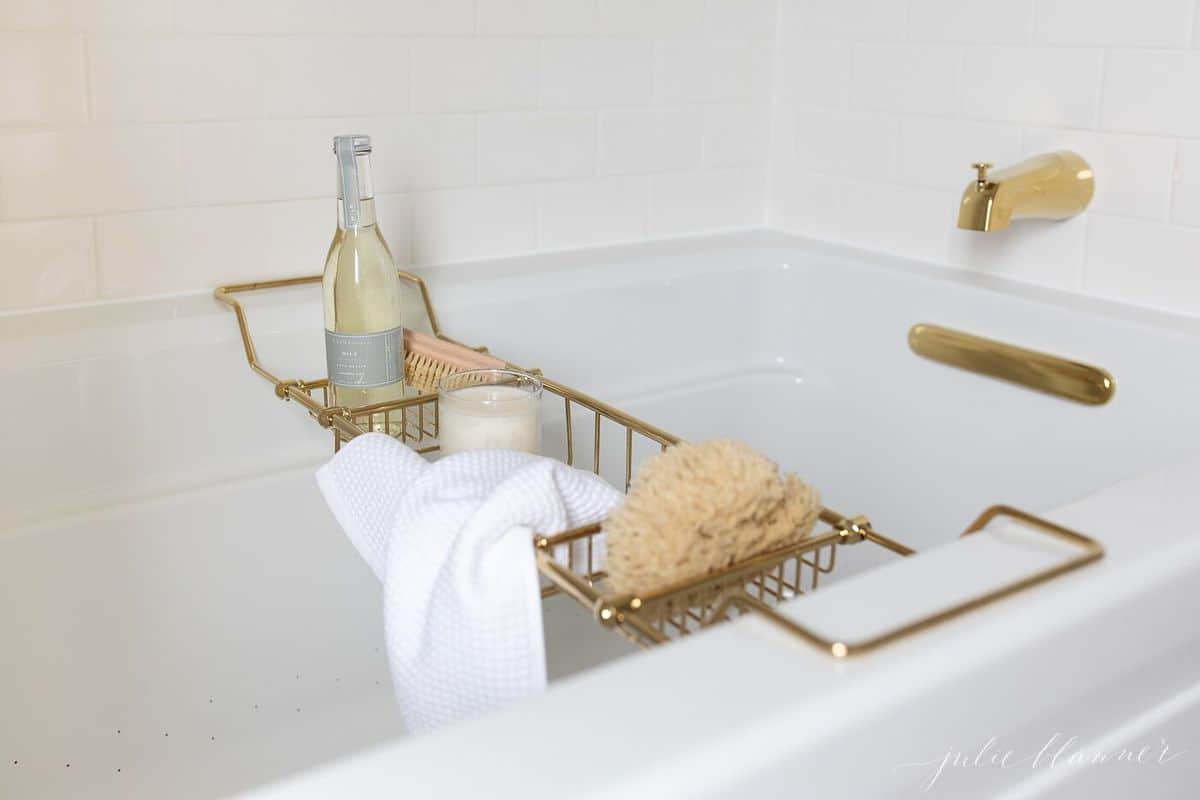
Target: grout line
<point>539,87</point>
<point>395,113</point>
<point>95,226</point>
<point>595,174</point>
<point>410,60</point>
<point>961,87</point>
<point>1099,97</point>
<point>1081,264</point>
<point>539,213</point>
<point>89,99</point>
<point>1172,181</point>
<point>774,103</point>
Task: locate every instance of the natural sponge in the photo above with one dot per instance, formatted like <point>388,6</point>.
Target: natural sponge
<point>696,508</point>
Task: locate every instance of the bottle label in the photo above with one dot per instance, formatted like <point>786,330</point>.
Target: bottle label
<point>365,360</point>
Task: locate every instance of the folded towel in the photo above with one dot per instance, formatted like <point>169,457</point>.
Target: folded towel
<point>451,542</point>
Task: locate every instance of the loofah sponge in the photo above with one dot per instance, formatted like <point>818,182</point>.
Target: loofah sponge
<point>699,507</point>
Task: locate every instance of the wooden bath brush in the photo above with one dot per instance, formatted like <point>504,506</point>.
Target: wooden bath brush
<point>696,508</point>
<point>428,359</point>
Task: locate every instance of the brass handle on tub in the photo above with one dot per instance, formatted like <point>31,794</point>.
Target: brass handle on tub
<point>1043,372</point>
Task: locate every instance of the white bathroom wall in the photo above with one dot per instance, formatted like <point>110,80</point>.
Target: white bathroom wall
<point>151,146</point>
<point>148,146</point>
<point>881,105</point>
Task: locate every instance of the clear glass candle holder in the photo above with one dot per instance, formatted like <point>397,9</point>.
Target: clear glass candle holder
<point>490,409</point>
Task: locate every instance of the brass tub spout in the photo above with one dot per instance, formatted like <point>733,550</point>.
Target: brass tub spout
<point>1049,186</point>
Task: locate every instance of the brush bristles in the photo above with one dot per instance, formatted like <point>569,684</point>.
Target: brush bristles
<point>697,508</point>
<point>424,372</point>
<point>428,359</point>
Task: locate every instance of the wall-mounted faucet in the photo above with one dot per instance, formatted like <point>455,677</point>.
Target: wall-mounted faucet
<point>1050,186</point>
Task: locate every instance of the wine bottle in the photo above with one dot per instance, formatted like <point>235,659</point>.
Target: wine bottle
<point>364,340</point>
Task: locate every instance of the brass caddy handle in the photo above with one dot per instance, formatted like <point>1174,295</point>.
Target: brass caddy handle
<point>1088,551</point>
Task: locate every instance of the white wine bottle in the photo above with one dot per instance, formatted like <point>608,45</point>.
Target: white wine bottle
<point>364,340</point>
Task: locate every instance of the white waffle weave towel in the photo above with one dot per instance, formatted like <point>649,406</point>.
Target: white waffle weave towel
<point>451,542</point>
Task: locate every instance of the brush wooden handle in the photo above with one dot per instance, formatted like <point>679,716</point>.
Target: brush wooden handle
<point>456,355</point>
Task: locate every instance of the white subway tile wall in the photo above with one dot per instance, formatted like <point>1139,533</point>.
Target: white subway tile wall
<point>149,146</point>
<point>881,105</point>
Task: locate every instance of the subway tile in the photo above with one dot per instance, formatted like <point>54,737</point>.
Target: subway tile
<point>1043,252</point>
<point>907,220</point>
<point>1031,85</point>
<point>34,15</point>
<point>183,249</point>
<point>970,21</point>
<point>1163,23</point>
<point>535,17</point>
<point>422,151</point>
<point>536,146</point>
<point>710,71</point>
<point>126,16</point>
<point>814,74</point>
<point>257,161</point>
<point>805,202</point>
<point>754,19</point>
<point>1147,263</point>
<point>469,224</point>
<point>604,72</point>
<point>844,19</point>
<point>906,78</point>
<point>581,213</point>
<point>1133,173</point>
<point>89,170</point>
<point>401,17</point>
<point>650,18</point>
<point>696,202</point>
<point>735,136</point>
<point>651,140</point>
<point>264,160</point>
<point>783,137</point>
<point>1185,199</point>
<point>41,79</point>
<point>46,263</point>
<point>474,74</point>
<point>201,78</point>
<point>119,16</point>
<point>852,143</point>
<point>1151,92</point>
<point>938,153</point>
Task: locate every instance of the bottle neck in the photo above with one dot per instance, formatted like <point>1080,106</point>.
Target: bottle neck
<point>360,185</point>
<point>366,214</point>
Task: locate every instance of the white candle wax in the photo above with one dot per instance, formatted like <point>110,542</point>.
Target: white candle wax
<point>489,417</point>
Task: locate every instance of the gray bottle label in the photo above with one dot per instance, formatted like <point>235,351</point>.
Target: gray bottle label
<point>365,360</point>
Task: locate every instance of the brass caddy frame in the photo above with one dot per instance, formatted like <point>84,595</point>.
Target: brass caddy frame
<point>570,562</point>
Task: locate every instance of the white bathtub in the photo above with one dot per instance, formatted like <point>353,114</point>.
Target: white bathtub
<point>181,618</point>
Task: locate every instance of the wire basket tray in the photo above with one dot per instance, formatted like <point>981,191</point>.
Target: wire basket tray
<point>610,442</point>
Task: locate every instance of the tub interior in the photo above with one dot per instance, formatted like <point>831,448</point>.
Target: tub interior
<point>198,638</point>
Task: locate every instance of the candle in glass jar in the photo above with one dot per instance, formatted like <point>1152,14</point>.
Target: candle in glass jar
<point>502,413</point>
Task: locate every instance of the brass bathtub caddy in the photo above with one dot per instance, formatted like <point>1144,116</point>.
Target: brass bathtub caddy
<point>609,442</point>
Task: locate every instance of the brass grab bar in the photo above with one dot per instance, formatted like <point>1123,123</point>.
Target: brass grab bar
<point>1042,372</point>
